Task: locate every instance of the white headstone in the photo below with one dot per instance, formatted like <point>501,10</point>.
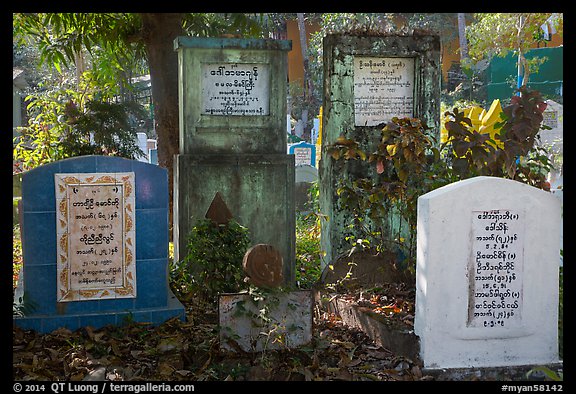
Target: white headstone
<point>487,274</point>
<point>315,130</point>
<point>143,145</point>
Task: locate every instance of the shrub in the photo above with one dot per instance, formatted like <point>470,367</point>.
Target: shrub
<point>213,263</point>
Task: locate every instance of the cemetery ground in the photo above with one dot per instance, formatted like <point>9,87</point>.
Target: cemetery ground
<point>190,351</point>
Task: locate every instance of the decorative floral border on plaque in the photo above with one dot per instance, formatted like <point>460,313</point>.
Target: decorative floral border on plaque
<point>65,225</point>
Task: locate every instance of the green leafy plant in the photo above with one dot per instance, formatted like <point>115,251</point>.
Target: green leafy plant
<point>548,373</point>
<point>407,163</point>
<point>406,147</point>
<point>213,263</point>
<point>102,128</point>
<point>308,250</point>
<point>67,123</point>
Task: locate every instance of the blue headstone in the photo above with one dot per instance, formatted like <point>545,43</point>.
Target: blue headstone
<point>304,153</point>
<point>152,301</point>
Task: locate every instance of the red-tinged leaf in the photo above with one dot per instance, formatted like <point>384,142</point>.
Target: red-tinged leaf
<point>380,167</point>
<point>541,106</point>
<point>460,147</point>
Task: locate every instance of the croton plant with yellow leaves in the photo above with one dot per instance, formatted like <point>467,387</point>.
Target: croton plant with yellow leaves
<point>501,141</point>
<point>482,120</point>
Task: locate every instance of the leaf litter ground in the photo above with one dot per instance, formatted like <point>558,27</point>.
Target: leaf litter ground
<point>189,351</point>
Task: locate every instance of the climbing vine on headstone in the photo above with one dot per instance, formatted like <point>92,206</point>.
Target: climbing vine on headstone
<point>408,163</point>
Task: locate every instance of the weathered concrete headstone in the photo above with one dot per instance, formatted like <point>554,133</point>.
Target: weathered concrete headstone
<point>95,244</point>
<point>143,145</point>
<point>487,275</point>
<point>369,80</point>
<point>305,176</point>
<point>152,150</point>
<point>233,139</point>
<point>153,156</point>
<point>383,88</point>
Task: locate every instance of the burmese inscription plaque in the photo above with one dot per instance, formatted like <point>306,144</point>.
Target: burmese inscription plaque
<point>383,89</point>
<point>303,156</point>
<point>95,235</point>
<point>495,298</point>
<point>235,89</point>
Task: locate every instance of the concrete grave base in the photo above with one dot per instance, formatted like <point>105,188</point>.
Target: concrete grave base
<point>74,321</point>
<point>244,324</point>
<point>508,373</point>
<point>399,340</point>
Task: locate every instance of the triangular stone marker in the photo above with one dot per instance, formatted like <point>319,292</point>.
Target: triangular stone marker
<point>218,211</point>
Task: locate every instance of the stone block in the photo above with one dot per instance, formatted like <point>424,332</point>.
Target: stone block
<point>281,320</point>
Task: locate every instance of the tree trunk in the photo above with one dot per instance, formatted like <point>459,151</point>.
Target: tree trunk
<point>159,31</point>
<point>307,83</point>
<point>523,73</point>
<point>462,36</point>
<point>80,64</point>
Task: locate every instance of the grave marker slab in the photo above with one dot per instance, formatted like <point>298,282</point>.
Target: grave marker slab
<point>487,275</point>
<point>553,138</point>
<point>95,244</point>
<point>304,153</point>
<point>235,89</point>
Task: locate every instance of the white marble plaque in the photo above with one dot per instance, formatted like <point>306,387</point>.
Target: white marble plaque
<point>234,89</point>
<point>96,236</point>
<point>303,156</point>
<point>495,298</point>
<point>383,89</point>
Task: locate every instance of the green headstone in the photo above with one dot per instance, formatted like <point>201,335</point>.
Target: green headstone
<point>232,95</point>
<point>367,81</point>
